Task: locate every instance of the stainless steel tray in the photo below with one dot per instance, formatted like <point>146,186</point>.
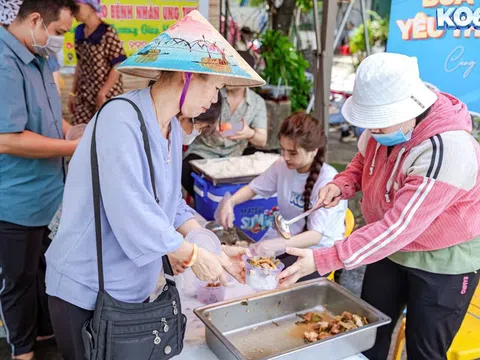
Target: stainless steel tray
<point>263,327</point>
<point>231,236</point>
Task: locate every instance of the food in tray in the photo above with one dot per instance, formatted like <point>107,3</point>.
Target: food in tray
<point>251,165</point>
<point>261,272</point>
<point>321,326</point>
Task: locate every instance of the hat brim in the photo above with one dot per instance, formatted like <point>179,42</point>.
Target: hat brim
<point>383,116</point>
<point>153,73</point>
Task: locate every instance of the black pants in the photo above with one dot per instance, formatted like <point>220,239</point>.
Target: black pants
<point>23,301</point>
<point>68,321</point>
<point>436,305</point>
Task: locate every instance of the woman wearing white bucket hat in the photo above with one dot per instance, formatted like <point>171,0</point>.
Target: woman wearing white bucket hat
<point>140,215</point>
<point>418,169</point>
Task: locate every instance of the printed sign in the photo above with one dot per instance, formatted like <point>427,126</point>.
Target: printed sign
<point>444,35</point>
<point>136,21</point>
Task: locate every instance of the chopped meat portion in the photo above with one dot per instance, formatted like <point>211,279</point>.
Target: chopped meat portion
<point>336,329</point>
<point>359,321</point>
<point>322,326</point>
<point>347,316</point>
<point>323,329</point>
<point>311,336</point>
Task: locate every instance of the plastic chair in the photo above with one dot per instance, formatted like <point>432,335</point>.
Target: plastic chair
<point>466,345</point>
<point>349,226</point>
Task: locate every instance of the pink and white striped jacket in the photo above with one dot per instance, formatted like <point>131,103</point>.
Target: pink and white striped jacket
<point>424,196</point>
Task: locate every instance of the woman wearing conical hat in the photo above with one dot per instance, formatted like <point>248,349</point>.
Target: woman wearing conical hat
<point>137,230</point>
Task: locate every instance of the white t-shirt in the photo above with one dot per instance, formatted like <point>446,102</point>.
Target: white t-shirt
<point>289,186</point>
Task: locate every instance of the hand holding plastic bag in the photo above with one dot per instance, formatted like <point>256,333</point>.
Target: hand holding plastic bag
<point>224,214</point>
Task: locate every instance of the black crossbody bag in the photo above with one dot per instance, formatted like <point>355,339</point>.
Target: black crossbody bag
<point>126,331</point>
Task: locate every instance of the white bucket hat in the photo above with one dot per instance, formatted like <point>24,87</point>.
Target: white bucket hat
<point>388,91</point>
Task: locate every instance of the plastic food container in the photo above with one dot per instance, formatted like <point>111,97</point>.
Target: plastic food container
<point>207,240</point>
<point>261,279</point>
<point>210,293</point>
<point>75,132</point>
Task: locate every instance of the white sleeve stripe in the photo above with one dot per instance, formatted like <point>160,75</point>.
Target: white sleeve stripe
<point>392,228</point>
<point>399,230</point>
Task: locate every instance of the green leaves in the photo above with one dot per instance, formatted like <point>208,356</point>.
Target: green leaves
<point>377,33</point>
<point>283,61</point>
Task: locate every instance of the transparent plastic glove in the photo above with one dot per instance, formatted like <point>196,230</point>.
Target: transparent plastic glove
<point>208,267</point>
<point>269,248</point>
<point>231,260</point>
<point>224,214</point>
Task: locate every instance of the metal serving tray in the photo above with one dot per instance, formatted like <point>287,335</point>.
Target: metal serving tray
<point>198,167</point>
<point>263,326</point>
<point>229,236</point>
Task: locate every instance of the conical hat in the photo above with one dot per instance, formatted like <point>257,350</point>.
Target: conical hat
<point>191,45</point>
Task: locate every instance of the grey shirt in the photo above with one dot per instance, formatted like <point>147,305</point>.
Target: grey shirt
<point>253,110</point>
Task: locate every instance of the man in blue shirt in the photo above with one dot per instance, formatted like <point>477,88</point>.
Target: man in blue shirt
<point>31,165</point>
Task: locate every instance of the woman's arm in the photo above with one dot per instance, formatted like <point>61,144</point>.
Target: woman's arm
<point>242,195</point>
<point>305,239</point>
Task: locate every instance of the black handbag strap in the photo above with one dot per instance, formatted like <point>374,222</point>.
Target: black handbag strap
<point>97,194</point>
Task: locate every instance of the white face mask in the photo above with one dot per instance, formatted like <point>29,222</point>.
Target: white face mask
<point>187,139</point>
<point>54,44</point>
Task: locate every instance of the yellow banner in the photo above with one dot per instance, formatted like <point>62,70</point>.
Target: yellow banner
<point>136,21</point>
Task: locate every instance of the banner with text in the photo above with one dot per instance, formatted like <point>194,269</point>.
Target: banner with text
<point>136,21</point>
<point>445,36</point>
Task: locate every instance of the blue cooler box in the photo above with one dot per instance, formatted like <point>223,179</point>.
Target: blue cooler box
<point>254,217</point>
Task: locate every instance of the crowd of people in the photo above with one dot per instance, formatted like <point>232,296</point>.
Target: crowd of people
<point>421,242</point>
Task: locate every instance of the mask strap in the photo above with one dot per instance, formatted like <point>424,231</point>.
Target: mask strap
<point>185,88</point>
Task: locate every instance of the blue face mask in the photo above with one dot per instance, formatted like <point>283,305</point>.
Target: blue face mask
<point>393,138</point>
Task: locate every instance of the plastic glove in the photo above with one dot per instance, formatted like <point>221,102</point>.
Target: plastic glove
<point>231,260</point>
<point>224,214</point>
<point>269,248</point>
<point>208,267</point>
<point>305,265</point>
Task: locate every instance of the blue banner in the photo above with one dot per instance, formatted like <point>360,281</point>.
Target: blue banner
<point>445,37</point>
